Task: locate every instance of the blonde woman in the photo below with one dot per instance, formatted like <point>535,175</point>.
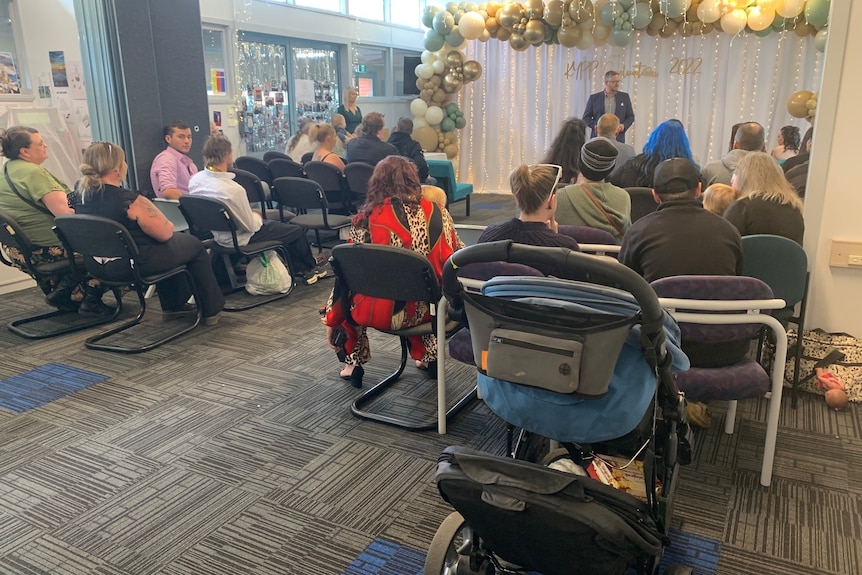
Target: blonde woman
<point>767,202</point>
<point>351,112</point>
<point>325,152</point>
<point>303,141</point>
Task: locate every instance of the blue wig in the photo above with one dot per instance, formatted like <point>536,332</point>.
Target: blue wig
<point>667,141</point>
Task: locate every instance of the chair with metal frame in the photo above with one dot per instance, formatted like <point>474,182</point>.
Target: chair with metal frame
<point>306,197</point>
<point>358,174</point>
<point>393,273</point>
<point>63,321</point>
<point>257,194</point>
<point>254,165</point>
<point>97,237</point>
<point>334,185</point>
<point>781,264</point>
<point>214,215</point>
<point>273,155</point>
<point>285,168</point>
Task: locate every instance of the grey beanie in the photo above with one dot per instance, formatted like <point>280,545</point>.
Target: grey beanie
<point>598,158</point>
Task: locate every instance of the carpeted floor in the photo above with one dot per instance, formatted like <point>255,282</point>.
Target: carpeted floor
<point>232,451</point>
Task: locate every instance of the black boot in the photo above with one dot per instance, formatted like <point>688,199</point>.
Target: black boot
<point>61,296</point>
<point>92,303</point>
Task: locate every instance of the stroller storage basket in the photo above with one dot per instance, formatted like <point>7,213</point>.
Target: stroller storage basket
<point>556,523</point>
<point>543,343</point>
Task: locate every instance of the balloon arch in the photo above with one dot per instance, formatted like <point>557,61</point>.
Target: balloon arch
<point>582,24</point>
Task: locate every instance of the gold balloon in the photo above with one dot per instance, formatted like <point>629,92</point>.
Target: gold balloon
<point>454,58</point>
<point>554,13</point>
<point>451,151</point>
<point>802,29</point>
<point>518,43</point>
<point>535,9</point>
<point>569,36</point>
<point>472,70</point>
<point>491,25</point>
<point>579,11</point>
<point>427,138</point>
<point>451,83</point>
<point>439,96</point>
<point>796,104</point>
<point>493,7</point>
<point>534,32</point>
<point>503,35</point>
<point>509,15</point>
<point>420,84</point>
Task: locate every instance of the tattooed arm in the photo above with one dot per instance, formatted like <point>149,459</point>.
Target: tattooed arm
<point>151,220</point>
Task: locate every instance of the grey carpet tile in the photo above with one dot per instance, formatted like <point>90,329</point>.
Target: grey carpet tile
<point>172,428</point>
<point>246,386</point>
<point>25,438</point>
<point>155,521</point>
<point>55,489</point>
<point>419,522</point>
<point>852,457</point>
<point>357,485</point>
<point>735,561</point>
<point>15,533</point>
<point>257,455</point>
<point>51,556</point>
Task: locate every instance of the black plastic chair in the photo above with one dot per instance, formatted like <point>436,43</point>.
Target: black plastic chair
<point>303,195</point>
<point>643,202</point>
<point>358,174</point>
<point>97,237</point>
<point>254,165</point>
<point>256,191</point>
<point>12,236</point>
<point>334,184</point>
<point>399,274</point>
<point>285,168</point>
<point>214,215</point>
<point>272,155</point>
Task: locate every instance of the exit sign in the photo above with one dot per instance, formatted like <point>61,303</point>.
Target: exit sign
<point>361,68</point>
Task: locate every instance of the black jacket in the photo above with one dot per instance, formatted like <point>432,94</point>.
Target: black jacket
<point>410,148</point>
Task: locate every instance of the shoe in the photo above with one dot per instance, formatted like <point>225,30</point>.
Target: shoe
<point>310,277</point>
<point>356,376</point>
<point>96,307</point>
<point>430,368</point>
<point>61,293</point>
<point>185,310</point>
<point>698,414</point>
<point>211,320</point>
<point>322,257</point>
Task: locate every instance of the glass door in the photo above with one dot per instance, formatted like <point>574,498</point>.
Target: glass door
<point>315,73</point>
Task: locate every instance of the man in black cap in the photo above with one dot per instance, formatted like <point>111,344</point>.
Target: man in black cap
<point>680,237</point>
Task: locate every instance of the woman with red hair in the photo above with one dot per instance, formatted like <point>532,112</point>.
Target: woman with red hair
<point>395,214</point>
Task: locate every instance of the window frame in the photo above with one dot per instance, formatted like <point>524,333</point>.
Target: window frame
<point>27,93</point>
<point>228,56</point>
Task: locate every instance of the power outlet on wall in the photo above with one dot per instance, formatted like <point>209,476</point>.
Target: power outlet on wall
<point>846,254</point>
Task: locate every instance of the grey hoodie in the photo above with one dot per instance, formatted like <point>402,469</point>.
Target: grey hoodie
<point>720,171</point>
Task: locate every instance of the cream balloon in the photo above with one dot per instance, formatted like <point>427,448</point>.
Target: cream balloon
<point>471,25</point>
<point>601,32</point>
<point>790,8</point>
<point>734,22</point>
<point>428,57</point>
<point>434,115</point>
<point>438,66</point>
<point>418,108</point>
<point>760,18</point>
<point>424,71</point>
<point>708,11</point>
<point>419,123</point>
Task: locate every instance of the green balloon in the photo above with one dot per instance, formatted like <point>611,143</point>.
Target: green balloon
<point>452,7</point>
<point>817,12</point>
<point>452,108</point>
<point>609,13</point>
<point>620,37</point>
<point>443,23</point>
<point>433,41</point>
<point>626,3</point>
<point>778,23</point>
<point>447,125</point>
<point>460,122</point>
<point>820,39</point>
<point>428,16</point>
<point>641,15</point>
<point>762,33</point>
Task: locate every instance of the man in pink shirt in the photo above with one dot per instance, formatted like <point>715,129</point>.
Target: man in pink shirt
<point>172,168</point>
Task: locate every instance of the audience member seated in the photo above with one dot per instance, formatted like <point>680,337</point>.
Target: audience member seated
<point>368,147</point>
<point>172,168</point>
<point>797,175</point>
<point>340,126</point>
<point>565,150</point>
<point>607,127</point>
<point>408,147</point>
<point>326,140</point>
<point>592,202</point>
<point>804,152</point>
<point>394,214</point>
<point>434,194</point>
<point>667,140</point>
<point>788,144</point>
<point>216,182</point>
<point>717,197</point>
<point>534,188</point>
<point>767,202</point>
<point>304,141</point>
<point>682,238</point>
<point>749,138</point>
<point>161,249</point>
<point>33,196</point>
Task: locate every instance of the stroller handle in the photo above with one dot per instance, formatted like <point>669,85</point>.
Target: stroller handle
<point>509,251</point>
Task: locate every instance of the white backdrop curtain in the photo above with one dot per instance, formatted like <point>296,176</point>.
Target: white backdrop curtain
<point>708,82</point>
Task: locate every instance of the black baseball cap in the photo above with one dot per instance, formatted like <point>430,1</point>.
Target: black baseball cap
<point>675,175</point>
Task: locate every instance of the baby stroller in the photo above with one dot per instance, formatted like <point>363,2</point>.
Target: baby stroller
<point>585,365</point>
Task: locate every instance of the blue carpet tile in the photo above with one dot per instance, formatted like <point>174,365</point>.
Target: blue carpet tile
<point>40,386</point>
<point>384,557</point>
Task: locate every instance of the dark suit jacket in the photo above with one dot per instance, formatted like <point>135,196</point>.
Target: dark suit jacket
<point>596,109</point>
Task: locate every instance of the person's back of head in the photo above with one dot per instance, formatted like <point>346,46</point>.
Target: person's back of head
<point>717,197</point>
<point>607,125</point>
<point>750,137</point>
<point>565,150</point>
<point>394,177</point>
<point>324,131</point>
<point>15,139</point>
<point>532,186</point>
<point>434,194</point>
<point>790,137</point>
<point>217,150</point>
<point>338,121</point>
<point>676,179</point>
<point>598,159</point>
<point>100,159</point>
<point>668,140</point>
<point>405,125</point>
<point>372,123</point>
<point>759,175</point>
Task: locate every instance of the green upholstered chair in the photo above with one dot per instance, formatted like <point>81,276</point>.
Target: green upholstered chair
<point>444,173</point>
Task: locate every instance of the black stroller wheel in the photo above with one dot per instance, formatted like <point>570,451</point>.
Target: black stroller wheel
<point>449,553</point>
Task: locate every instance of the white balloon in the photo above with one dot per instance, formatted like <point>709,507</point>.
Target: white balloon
<point>418,107</point>
<point>418,123</point>
<point>438,67</point>
<point>471,25</point>
<point>790,8</point>
<point>428,57</point>
<point>424,71</point>
<point>734,21</point>
<point>709,11</point>
<point>485,36</point>
<point>434,115</point>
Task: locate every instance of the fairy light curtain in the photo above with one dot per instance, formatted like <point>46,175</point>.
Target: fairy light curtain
<point>708,82</point>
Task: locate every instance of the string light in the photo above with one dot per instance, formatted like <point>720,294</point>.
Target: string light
<point>715,61</point>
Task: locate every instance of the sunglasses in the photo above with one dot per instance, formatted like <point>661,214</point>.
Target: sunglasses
<point>556,167</point>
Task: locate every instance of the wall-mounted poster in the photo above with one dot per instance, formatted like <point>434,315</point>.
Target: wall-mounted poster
<point>10,83</point>
<point>218,81</point>
<point>58,69</point>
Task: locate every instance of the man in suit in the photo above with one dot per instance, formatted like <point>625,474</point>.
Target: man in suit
<point>610,101</point>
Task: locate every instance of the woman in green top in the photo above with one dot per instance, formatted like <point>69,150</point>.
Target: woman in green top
<point>33,197</point>
<point>351,112</point>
